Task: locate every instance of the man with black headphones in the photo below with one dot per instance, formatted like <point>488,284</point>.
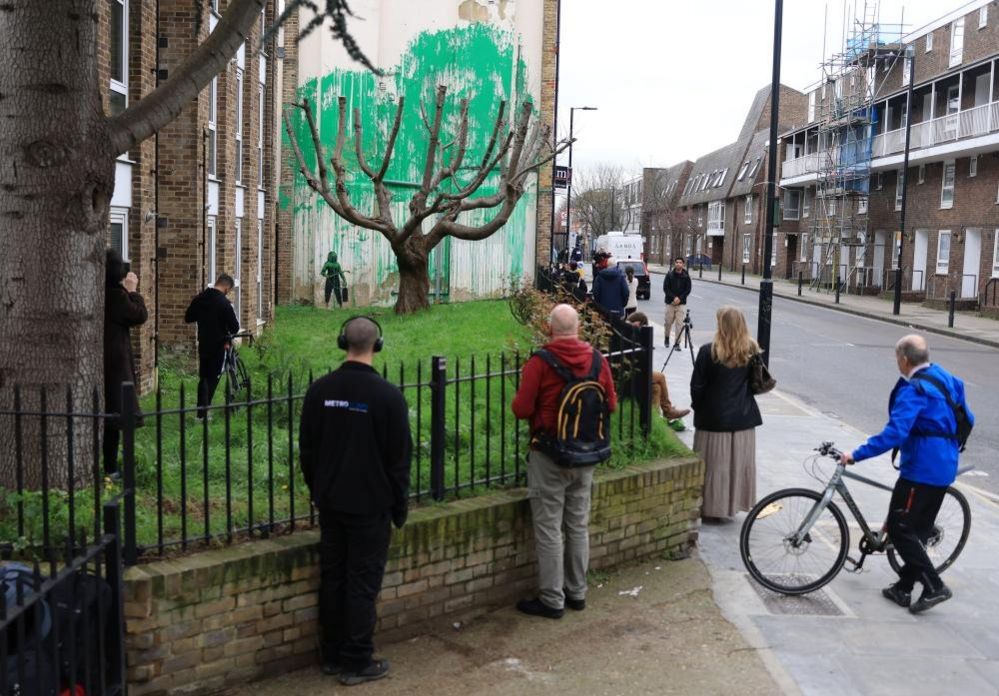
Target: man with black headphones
<point>356,449</point>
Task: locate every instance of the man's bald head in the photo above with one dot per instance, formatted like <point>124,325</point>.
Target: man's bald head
<point>913,348</point>
<point>564,322</point>
<point>361,334</point>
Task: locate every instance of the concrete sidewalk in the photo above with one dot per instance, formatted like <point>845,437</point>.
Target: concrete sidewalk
<point>967,325</point>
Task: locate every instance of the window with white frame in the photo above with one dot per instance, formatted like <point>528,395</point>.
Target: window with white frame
<point>811,106</point>
<point>973,166</point>
<point>690,244</point>
<point>260,270</point>
<point>700,215</point>
<point>878,181</point>
<point>212,251</point>
<point>721,177</point>
<point>118,95</point>
<point>756,165</point>
<point>716,216</point>
<point>237,270</point>
<point>830,207</point>
<point>895,251</point>
<point>957,42</point>
<point>698,245</point>
<point>899,184</point>
<point>943,252</point>
<point>922,173</point>
<point>929,42</point>
<point>806,203</point>
<point>118,224</point>
<point>773,252</point>
<point>792,204</point>
<point>947,188</point>
<point>803,247</point>
<point>748,209</point>
<point>746,242</point>
<point>862,205</point>
<point>906,70</point>
<point>995,255</point>
<point>983,17</point>
<point>238,169</point>
<point>260,134</point>
<point>213,105</point>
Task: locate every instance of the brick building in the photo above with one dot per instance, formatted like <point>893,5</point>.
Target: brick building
<point>197,199</point>
<point>662,222</point>
<point>952,209</point>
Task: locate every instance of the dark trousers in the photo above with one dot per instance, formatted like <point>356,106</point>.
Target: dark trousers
<point>352,554</point>
<point>333,288</point>
<point>911,514</point>
<point>206,392</point>
<point>209,373</point>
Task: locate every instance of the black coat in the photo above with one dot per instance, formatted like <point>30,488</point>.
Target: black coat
<point>676,285</point>
<point>610,289</point>
<point>122,311</point>
<point>216,320</point>
<point>721,397</point>
<point>355,444</point>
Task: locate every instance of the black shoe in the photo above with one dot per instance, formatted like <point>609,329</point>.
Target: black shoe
<point>575,604</point>
<point>898,595</point>
<point>331,668</point>
<point>931,598</point>
<point>535,607</point>
<point>376,670</point>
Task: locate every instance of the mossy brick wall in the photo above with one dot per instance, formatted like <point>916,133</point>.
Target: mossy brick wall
<point>203,622</point>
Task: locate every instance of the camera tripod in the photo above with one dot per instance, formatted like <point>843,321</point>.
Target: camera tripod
<point>688,342</point>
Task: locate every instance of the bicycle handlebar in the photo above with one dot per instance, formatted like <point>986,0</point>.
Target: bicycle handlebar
<point>241,334</point>
<point>826,449</point>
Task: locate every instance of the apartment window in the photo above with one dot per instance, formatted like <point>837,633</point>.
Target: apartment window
<point>906,70</point>
<point>983,17</point>
<point>118,96</point>
<point>862,206</point>
<point>773,253</point>
<point>260,135</point>
<point>119,231</point>
<point>213,104</point>
<point>746,241</point>
<point>260,270</point>
<point>700,216</point>
<point>973,166</point>
<point>957,42</point>
<point>811,106</point>
<point>742,171</point>
<point>922,173</point>
<point>943,252</point>
<point>830,207</point>
<point>899,184</point>
<point>792,204</point>
<point>995,256</point>
<point>239,127</point>
<point>698,245</point>
<point>878,181</point>
<point>748,212</point>
<point>806,203</point>
<point>929,42</point>
<point>212,261</point>
<point>237,270</point>
<point>716,216</point>
<point>947,189</point>
<point>896,250</point>
<point>721,177</point>
<point>803,247</point>
<point>756,166</point>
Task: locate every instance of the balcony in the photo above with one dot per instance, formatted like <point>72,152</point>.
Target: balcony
<point>969,123</point>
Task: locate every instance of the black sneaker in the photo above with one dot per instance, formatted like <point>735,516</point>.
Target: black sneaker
<point>375,670</point>
<point>931,598</point>
<point>897,594</point>
<point>535,607</point>
<point>331,668</point>
<point>575,604</point>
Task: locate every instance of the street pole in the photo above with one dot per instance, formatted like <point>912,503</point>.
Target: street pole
<point>767,285</point>
<point>568,187</point>
<point>558,39</point>
<point>910,57</point>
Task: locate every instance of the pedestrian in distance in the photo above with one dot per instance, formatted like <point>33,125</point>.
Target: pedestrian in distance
<point>355,449</point>
<point>216,320</point>
<point>336,281</point>
<point>676,288</point>
<point>660,392</point>
<point>632,304</point>
<point>610,288</point>
<point>123,309</point>
<point>928,422</point>
<point>566,372</point>
<point>726,416</point>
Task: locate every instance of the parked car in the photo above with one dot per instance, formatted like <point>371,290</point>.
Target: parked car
<point>642,274</point>
<point>695,260</point>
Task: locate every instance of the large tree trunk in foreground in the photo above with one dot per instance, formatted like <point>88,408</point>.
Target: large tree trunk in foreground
<point>56,179</point>
<point>414,277</point>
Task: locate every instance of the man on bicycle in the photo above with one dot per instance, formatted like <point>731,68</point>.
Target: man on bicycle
<point>216,322</point>
<point>924,407</point>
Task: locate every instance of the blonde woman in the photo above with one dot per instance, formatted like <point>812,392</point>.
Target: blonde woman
<point>725,417</point>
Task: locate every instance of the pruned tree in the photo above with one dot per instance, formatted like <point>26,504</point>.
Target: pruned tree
<point>57,160</point>
<point>598,201</point>
<point>514,150</point>
<point>662,219</point>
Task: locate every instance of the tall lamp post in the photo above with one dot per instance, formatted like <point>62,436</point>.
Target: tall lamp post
<point>767,284</point>
<point>568,188</point>
<point>910,54</point>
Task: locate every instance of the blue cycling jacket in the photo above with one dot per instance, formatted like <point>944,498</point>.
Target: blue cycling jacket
<point>917,405</point>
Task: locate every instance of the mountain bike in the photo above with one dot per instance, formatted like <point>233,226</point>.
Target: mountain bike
<point>237,379</point>
<point>796,540</point>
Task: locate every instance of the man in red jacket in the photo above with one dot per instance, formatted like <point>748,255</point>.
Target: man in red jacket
<point>559,496</point>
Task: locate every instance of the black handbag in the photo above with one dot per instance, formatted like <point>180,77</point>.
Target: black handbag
<point>760,379</point>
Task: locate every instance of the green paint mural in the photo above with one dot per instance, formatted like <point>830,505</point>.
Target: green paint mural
<point>479,62</point>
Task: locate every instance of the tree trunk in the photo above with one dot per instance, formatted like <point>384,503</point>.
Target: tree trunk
<point>414,276</point>
<point>56,180</point>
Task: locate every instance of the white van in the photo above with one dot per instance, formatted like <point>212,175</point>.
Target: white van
<point>622,246</point>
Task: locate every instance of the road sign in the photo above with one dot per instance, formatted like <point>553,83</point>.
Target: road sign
<point>563,177</point>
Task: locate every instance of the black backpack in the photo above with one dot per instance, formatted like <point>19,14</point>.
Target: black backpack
<point>582,423</point>
<point>964,425</point>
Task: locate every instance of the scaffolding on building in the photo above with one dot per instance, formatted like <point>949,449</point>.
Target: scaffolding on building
<point>852,81</point>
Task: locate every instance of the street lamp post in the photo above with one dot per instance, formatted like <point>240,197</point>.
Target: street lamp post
<point>910,55</point>
<point>568,187</point>
<point>767,284</point>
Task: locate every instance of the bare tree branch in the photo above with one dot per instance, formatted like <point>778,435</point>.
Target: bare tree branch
<point>337,12</point>
<point>320,185</point>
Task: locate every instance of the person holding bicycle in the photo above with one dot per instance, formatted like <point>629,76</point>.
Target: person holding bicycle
<point>927,414</point>
<point>217,321</point>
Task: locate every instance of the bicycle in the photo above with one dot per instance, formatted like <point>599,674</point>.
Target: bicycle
<point>234,371</point>
<point>803,534</point>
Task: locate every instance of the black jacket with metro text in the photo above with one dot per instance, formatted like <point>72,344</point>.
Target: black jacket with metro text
<point>354,443</point>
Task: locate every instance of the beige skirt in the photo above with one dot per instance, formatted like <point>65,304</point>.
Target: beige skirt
<point>729,471</point>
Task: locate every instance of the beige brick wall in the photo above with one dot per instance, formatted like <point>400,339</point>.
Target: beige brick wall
<point>227,616</point>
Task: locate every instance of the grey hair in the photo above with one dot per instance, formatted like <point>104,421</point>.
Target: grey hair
<point>913,348</point>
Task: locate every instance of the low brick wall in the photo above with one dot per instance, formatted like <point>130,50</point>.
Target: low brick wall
<point>222,617</point>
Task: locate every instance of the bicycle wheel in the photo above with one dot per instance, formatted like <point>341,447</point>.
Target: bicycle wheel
<point>232,384</point>
<point>772,558</point>
<point>950,533</point>
<point>242,375</point>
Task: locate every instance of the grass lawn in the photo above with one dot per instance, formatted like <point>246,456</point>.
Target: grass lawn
<point>182,465</point>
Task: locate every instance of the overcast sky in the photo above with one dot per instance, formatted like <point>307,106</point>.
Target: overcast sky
<point>673,79</point>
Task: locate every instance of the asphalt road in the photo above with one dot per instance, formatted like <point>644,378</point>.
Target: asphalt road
<point>844,365</point>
